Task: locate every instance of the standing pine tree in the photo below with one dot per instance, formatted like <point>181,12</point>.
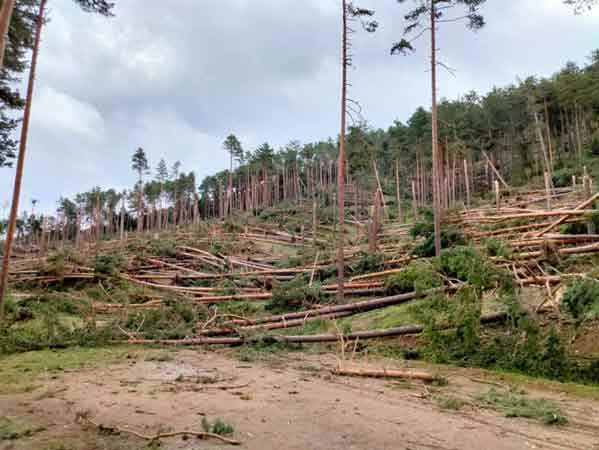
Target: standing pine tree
<point>433,12</point>
<point>5,17</point>
<point>349,13</point>
<point>99,6</point>
<point>140,165</point>
<point>161,177</point>
<point>235,151</point>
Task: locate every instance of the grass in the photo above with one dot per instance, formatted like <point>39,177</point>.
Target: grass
<point>516,405</point>
<point>10,431</point>
<point>574,389</point>
<point>450,403</point>
<point>19,372</point>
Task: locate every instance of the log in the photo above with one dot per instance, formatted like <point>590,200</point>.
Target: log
<point>385,373</point>
<point>561,220</point>
<point>310,338</point>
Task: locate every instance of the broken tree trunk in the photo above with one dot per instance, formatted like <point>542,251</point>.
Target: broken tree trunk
<point>310,338</point>
<point>385,373</point>
<point>562,219</point>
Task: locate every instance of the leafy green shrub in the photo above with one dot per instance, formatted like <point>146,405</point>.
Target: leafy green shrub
<point>581,299</point>
<point>218,427</point>
<point>418,277</point>
<point>294,294</point>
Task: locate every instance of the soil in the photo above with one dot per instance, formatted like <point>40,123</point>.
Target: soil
<point>284,402</point>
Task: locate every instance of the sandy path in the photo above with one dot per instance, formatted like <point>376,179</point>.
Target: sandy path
<point>293,406</point>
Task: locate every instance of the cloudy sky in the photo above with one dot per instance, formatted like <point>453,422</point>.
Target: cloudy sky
<point>177,76</point>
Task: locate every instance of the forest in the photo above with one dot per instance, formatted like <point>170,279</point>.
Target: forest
<point>432,284</point>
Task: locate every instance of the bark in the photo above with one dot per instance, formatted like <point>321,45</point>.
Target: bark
<point>5,17</point>
<point>341,161</point>
<point>398,192</point>
<point>311,338</point>
<point>385,373</point>
<point>435,139</point>
<point>561,220</point>
<point>467,184</point>
<point>12,221</point>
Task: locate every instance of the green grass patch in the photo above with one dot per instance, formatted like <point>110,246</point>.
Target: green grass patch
<point>11,431</point>
<point>516,405</point>
<point>20,372</point>
<point>450,403</point>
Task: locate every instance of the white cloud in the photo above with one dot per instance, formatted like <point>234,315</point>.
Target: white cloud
<point>59,113</point>
<point>177,76</point>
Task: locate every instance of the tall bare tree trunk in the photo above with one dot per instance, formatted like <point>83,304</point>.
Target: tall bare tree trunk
<point>5,16</point>
<point>230,188</point>
<point>341,161</point>
<point>467,183</point>
<point>398,192</point>
<point>548,132</point>
<point>436,190</point>
<point>140,203</point>
<point>12,220</point>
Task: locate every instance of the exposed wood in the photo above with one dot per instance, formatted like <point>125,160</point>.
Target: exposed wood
<point>384,373</point>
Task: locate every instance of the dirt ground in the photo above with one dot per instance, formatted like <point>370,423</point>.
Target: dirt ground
<point>286,402</point>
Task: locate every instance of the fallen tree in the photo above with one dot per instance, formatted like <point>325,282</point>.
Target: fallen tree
<point>306,339</point>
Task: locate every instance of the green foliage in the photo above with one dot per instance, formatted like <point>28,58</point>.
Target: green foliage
<point>218,427</point>
<point>425,226</point>
<point>450,403</point>
<point>467,265</point>
<point>595,147</point>
<point>227,287</point>
<point>293,295</point>
<point>10,431</point>
<point>563,177</point>
<point>449,238</point>
<point>108,264</point>
<point>496,247</point>
<point>514,405</point>
<point>463,311</point>
<point>521,347</point>
<point>581,299</point>
<point>574,228</point>
<point>418,277</point>
<point>163,247</point>
<point>50,332</point>
<point>368,262</point>
<point>58,262</point>
<point>175,319</point>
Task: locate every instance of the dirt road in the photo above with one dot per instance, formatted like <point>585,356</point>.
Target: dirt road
<point>284,403</point>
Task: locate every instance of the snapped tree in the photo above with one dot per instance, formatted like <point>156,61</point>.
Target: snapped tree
<point>434,12</point>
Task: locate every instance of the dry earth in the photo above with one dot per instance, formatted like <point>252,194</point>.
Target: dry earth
<point>281,402</point>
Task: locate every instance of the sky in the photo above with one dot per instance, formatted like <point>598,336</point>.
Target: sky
<point>176,77</point>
